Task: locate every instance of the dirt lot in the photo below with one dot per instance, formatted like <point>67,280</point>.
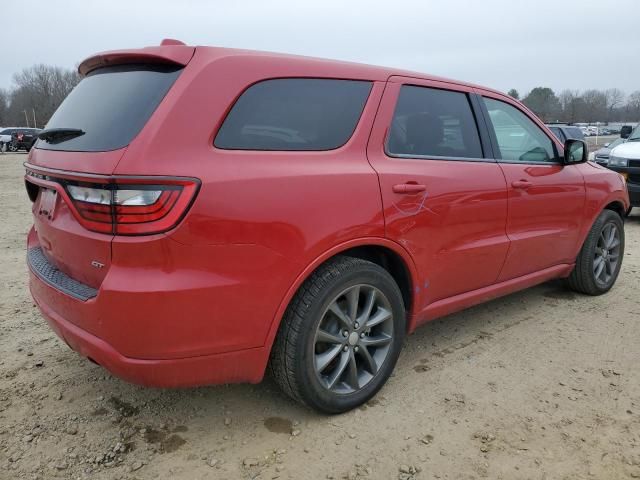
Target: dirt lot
<point>543,384</point>
<point>595,143</point>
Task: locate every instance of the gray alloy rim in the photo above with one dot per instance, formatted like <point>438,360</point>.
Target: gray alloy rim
<point>607,254</point>
<point>353,339</point>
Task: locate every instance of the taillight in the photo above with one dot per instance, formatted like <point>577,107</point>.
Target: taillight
<point>122,207</point>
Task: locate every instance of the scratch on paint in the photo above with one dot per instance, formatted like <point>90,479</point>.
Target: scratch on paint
<point>419,207</point>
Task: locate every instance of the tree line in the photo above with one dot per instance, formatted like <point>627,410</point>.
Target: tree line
<point>37,92</point>
<point>589,106</point>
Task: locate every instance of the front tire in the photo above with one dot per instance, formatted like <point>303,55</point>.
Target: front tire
<point>340,337</point>
<point>598,264</point>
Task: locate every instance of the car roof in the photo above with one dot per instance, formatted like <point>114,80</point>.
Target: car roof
<point>181,54</point>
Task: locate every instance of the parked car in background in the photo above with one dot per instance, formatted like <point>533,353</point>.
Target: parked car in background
<point>25,138</point>
<point>313,215</point>
<point>19,138</point>
<point>5,136</point>
<point>564,132</point>
<point>625,159</point>
<point>601,156</point>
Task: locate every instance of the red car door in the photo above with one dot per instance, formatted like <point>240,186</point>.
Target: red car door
<point>444,198</point>
<point>546,198</point>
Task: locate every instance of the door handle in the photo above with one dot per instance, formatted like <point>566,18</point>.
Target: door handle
<point>409,188</point>
<point>522,184</point>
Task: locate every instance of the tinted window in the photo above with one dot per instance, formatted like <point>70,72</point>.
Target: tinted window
<point>557,131</point>
<point>432,122</point>
<point>294,114</point>
<point>6,131</point>
<point>519,138</point>
<point>111,105</point>
<point>575,132</point>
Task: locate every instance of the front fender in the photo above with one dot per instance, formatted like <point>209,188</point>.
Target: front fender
<point>604,187</point>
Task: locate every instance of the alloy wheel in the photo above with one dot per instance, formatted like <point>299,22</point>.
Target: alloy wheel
<point>353,339</point>
<point>607,254</point>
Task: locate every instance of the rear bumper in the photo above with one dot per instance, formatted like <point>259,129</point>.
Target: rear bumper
<point>168,314</point>
<point>231,367</point>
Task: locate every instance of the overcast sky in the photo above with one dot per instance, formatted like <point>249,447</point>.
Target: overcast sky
<point>497,43</point>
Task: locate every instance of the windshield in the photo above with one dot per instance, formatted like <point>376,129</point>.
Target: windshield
<point>615,143</point>
<point>635,135</point>
<point>110,105</point>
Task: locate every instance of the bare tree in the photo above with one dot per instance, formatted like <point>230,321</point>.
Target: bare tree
<point>4,107</point>
<point>633,106</point>
<point>595,102</point>
<point>39,89</point>
<point>571,105</point>
<point>614,98</point>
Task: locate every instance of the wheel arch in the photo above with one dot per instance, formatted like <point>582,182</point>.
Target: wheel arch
<point>386,253</point>
<point>618,207</point>
<point>614,201</point>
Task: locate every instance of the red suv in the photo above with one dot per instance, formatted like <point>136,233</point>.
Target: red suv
<point>312,214</point>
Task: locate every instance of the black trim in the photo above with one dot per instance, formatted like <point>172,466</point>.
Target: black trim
<point>497,155</point>
<point>481,122</point>
<point>57,279</point>
<point>407,156</point>
<point>518,162</point>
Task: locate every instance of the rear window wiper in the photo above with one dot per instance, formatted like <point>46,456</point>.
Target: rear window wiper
<point>55,135</point>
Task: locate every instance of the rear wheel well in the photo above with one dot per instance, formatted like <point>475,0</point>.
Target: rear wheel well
<point>618,208</point>
<point>391,262</point>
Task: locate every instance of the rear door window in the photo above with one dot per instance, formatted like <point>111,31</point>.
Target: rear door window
<point>110,105</point>
<point>429,122</point>
<point>294,114</point>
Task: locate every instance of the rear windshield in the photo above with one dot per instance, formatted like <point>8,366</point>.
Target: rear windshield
<point>294,114</point>
<point>111,105</point>
<point>575,133</point>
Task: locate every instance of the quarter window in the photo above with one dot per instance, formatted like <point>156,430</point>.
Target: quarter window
<point>433,123</point>
<point>519,138</point>
<point>294,114</point>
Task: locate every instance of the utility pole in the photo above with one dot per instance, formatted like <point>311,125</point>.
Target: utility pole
<point>26,118</point>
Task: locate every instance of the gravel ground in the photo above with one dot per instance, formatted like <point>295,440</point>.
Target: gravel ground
<point>595,143</point>
<point>542,384</point>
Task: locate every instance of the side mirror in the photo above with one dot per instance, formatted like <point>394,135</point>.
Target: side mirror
<point>575,151</point>
<point>625,131</point>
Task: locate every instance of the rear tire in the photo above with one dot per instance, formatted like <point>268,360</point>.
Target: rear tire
<point>598,264</point>
<point>340,337</point>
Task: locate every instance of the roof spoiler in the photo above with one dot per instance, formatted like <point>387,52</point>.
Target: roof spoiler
<point>172,52</point>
